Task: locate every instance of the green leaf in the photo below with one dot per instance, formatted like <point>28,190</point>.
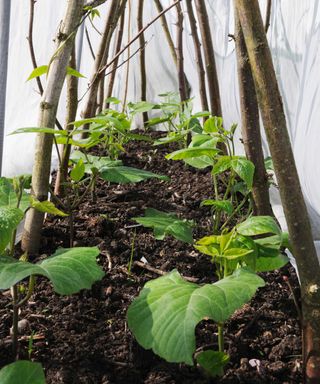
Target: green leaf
<point>166,224</point>
<point>73,72</point>
<point>8,197</point>
<point>236,253</point>
<point>157,120</point>
<point>52,131</point>
<point>165,314</point>
<point>138,137</point>
<point>192,152</point>
<point>212,125</point>
<point>201,140</point>
<point>223,163</point>
<point>39,71</point>
<point>258,225</point>
<point>46,207</point>
<point>78,171</point>
<point>91,161</point>
<point>97,120</point>
<point>9,221</point>
<point>222,205</point>
<point>69,270</point>
<point>22,372</point>
<point>270,263</point>
<point>171,138</point>
<point>142,106</point>
<point>244,168</point>
<point>212,362</point>
<point>124,175</point>
<point>112,100</point>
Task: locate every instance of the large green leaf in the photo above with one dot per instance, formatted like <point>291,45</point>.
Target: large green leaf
<point>123,175</point>
<point>200,141</point>
<point>192,152</point>
<point>69,270</point>
<point>166,224</point>
<point>213,124</point>
<point>258,225</point>
<point>244,168</point>
<point>166,312</point>
<point>9,220</point>
<point>8,197</point>
<point>22,372</point>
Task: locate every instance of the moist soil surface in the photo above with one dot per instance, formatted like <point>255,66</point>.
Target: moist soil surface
<point>84,338</point>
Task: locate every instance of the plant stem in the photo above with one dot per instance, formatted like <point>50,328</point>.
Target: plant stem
<point>236,211</point>
<point>220,338</point>
<point>15,320</point>
<point>32,281</point>
<point>131,253</point>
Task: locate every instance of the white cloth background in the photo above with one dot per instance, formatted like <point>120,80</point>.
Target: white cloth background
<point>294,37</point>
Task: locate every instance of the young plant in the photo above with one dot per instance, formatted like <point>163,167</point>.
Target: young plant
<point>176,117</point>
<point>69,270</point>
<point>164,316</point>
<point>86,168</point>
<point>166,224</point>
<point>203,152</point>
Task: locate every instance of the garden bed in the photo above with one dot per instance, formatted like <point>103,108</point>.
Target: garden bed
<point>84,338</point>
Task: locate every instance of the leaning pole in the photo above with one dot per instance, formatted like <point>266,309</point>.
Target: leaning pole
<point>4,43</point>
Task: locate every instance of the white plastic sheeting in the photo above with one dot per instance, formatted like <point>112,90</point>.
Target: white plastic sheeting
<point>294,37</point>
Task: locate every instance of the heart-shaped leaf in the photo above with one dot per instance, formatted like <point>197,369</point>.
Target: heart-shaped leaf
<point>69,270</point>
<point>9,220</point>
<point>8,197</point>
<point>244,168</point>
<point>258,225</point>
<point>22,372</point>
<point>166,224</point>
<point>124,175</point>
<point>166,312</point>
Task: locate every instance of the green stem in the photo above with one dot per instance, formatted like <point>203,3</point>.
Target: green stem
<point>220,338</point>
<point>32,281</point>
<point>15,319</point>
<point>215,187</point>
<point>235,211</point>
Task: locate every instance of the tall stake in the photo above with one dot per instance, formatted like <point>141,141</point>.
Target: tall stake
<point>198,57</point>
<point>250,126</point>
<point>71,113</point>
<point>179,50</point>
<point>142,57</point>
<point>115,64</point>
<point>47,116</point>
<point>101,58</point>
<point>290,190</point>
<point>211,70</point>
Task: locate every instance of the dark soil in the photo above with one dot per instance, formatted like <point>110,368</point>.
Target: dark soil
<point>84,338</point>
